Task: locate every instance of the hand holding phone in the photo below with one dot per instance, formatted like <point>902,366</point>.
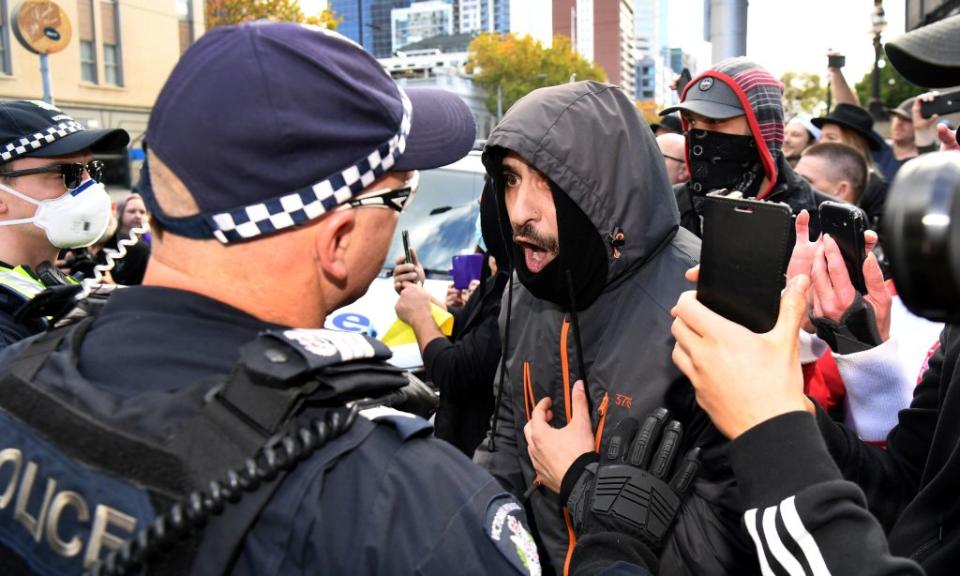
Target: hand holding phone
<point>846,223</point>
<point>743,259</point>
<point>407,267</point>
<point>940,104</point>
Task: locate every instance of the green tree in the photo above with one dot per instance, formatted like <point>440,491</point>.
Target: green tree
<point>894,88</point>
<point>803,94</point>
<point>519,65</point>
<point>227,12</point>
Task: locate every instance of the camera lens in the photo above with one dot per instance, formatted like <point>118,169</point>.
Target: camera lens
<point>922,244</point>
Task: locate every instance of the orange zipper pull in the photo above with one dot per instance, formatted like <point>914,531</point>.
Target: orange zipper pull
<point>603,420</point>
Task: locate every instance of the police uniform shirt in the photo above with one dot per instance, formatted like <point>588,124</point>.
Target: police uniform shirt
<point>10,330</point>
<point>398,502</point>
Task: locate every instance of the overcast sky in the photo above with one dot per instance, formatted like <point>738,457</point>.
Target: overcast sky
<point>788,35</point>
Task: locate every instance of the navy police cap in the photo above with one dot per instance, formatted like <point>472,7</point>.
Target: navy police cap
<point>31,128</point>
<point>270,125</point>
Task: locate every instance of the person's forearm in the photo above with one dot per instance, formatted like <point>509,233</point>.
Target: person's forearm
<point>426,330</point>
<point>799,509</point>
<point>842,93</point>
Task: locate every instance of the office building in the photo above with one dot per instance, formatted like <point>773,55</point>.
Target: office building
<point>483,15</point>
<point>112,70</point>
<point>601,31</point>
<point>419,21</point>
<point>367,22</point>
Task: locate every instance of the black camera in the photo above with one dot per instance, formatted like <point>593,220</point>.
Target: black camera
<point>922,235</point>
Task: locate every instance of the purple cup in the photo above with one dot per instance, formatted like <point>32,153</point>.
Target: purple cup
<point>466,268</point>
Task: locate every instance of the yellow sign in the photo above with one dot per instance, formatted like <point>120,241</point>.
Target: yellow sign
<point>402,333</point>
<point>41,26</point>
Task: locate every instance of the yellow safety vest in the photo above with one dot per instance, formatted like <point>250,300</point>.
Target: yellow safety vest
<point>21,282</point>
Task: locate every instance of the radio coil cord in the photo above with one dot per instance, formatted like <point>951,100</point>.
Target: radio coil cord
<point>200,505</point>
<point>90,284</point>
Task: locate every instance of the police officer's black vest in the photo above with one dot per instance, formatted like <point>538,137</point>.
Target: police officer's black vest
<point>171,481</point>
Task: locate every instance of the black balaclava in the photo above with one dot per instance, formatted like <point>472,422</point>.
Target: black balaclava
<point>582,251</point>
<point>719,160</point>
<point>494,238</point>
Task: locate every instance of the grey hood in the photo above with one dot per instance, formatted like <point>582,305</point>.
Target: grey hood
<point>574,134</point>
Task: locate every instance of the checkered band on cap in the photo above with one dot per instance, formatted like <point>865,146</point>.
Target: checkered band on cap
<point>307,204</point>
<point>20,146</point>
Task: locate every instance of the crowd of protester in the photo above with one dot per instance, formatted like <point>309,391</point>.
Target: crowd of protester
<point>633,429</point>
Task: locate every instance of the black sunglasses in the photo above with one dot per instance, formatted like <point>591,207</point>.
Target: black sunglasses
<point>396,198</point>
<point>72,173</point>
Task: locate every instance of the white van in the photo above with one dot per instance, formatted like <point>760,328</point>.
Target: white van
<point>441,220</point>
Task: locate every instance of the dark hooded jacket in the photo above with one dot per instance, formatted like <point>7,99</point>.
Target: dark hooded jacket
<point>589,141</point>
<point>759,95</point>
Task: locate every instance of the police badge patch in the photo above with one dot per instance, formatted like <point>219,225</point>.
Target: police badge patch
<point>506,525</point>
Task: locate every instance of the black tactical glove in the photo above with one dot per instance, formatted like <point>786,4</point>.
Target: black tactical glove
<point>623,503</point>
<point>855,332</point>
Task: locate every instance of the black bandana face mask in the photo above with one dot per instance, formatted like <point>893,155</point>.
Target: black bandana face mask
<point>719,160</point>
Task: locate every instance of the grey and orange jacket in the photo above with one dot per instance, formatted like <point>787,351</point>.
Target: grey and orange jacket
<point>589,141</point>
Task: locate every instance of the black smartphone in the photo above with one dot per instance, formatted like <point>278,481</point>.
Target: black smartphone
<point>836,61</point>
<point>743,259</point>
<point>846,223</point>
<point>683,80</point>
<point>942,104</point>
<point>406,247</point>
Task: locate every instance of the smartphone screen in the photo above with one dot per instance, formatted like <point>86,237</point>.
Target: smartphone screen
<point>740,278</point>
<point>846,224</point>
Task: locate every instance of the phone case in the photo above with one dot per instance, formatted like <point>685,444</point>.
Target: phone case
<point>846,224</point>
<point>942,104</point>
<point>743,259</point>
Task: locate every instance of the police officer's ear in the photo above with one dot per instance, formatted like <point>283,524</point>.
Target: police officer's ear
<point>333,237</point>
<point>4,207</point>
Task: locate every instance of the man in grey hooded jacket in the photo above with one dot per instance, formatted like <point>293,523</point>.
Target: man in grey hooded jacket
<point>600,258</point>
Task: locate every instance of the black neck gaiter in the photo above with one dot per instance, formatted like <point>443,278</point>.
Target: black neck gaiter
<point>719,160</point>
<point>582,251</point>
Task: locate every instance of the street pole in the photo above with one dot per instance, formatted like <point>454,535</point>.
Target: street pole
<point>499,103</point>
<point>45,75</point>
<point>360,24</point>
<point>875,77</point>
<point>879,23</point>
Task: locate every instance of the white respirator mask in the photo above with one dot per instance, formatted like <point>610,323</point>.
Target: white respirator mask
<point>76,219</point>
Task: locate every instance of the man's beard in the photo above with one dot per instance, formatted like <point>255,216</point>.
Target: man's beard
<point>527,234</point>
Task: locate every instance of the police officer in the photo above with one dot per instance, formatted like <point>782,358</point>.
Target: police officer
<point>279,159</point>
<point>50,198</point>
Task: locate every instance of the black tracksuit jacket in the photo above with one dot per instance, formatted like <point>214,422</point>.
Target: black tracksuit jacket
<point>816,504</point>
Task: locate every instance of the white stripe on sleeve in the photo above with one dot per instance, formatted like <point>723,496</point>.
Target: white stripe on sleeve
<point>777,549</point>
<point>791,519</point>
<point>750,519</point>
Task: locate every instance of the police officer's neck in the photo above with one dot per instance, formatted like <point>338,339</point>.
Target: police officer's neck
<point>265,278</point>
<point>20,247</point>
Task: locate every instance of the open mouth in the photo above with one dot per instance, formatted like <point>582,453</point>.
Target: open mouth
<point>535,256</point>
